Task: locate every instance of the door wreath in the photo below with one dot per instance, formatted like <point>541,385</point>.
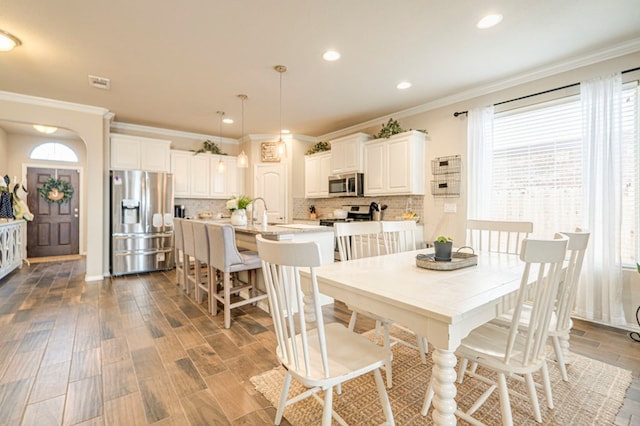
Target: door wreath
<point>56,191</point>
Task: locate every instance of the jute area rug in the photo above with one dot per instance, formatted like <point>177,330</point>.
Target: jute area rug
<point>593,395</point>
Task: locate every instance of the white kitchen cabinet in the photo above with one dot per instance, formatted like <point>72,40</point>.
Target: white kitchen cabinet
<point>181,170</point>
<point>395,166</point>
<point>317,168</point>
<point>138,153</point>
<point>224,184</point>
<point>197,176</point>
<point>346,153</point>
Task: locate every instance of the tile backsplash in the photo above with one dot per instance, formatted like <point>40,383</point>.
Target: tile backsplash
<point>396,205</point>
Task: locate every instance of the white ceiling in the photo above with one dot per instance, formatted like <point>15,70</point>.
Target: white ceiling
<point>174,64</point>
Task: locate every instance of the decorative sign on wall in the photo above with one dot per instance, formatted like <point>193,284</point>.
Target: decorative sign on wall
<point>269,152</point>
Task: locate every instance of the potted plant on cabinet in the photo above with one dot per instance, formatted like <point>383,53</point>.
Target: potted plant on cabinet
<point>443,247</point>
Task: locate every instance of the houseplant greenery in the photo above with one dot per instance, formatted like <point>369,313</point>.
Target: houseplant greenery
<point>392,127</point>
<point>443,247</point>
<point>239,202</point>
<point>319,147</point>
<point>210,147</point>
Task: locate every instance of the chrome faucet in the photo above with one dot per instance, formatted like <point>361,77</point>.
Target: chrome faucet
<point>264,215</point>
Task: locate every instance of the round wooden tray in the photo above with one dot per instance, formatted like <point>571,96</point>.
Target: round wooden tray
<point>458,260</point>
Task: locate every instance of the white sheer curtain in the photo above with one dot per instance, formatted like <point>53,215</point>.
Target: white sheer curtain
<point>479,155</point>
<point>600,290</point>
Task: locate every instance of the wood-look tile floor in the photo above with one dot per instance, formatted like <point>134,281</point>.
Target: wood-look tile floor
<point>137,350</point>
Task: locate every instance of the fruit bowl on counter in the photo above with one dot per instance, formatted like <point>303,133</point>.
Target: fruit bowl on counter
<point>410,216</point>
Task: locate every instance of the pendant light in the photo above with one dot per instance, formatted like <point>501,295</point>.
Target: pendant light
<point>282,147</point>
<point>243,160</point>
<point>221,166</point>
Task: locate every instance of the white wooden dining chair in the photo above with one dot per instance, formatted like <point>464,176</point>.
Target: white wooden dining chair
<point>399,236</point>
<point>510,351</point>
<point>318,355</point>
<point>357,240</point>
<point>560,324</point>
<point>225,257</point>
<point>497,236</point>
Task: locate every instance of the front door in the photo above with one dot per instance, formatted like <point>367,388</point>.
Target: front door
<point>55,227</point>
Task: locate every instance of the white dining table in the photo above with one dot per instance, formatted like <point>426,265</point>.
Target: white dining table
<point>443,306</point>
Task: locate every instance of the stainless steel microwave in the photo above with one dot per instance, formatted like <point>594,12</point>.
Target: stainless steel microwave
<point>346,185</point>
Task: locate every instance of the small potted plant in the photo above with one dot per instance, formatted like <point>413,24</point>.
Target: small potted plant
<point>312,212</point>
<point>443,247</point>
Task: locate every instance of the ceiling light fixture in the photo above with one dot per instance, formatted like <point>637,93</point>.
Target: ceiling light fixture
<point>243,160</point>
<point>221,167</point>
<point>228,121</point>
<point>403,85</point>
<point>47,130</point>
<point>282,147</point>
<point>331,55</point>
<point>8,41</point>
<point>489,21</point>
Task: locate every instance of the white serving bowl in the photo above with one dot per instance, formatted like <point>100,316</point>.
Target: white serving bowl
<point>340,214</point>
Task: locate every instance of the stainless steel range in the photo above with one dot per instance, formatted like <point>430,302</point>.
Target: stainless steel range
<point>355,213</point>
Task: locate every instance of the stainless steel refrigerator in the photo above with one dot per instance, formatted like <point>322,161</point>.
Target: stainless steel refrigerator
<point>141,221</point>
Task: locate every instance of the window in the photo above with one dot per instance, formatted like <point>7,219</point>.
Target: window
<point>53,151</point>
<point>537,167</point>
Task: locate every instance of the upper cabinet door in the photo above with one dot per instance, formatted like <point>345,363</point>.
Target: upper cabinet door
<point>396,165</point>
<point>317,168</point>
<point>138,153</point>
<point>346,153</point>
<point>181,170</point>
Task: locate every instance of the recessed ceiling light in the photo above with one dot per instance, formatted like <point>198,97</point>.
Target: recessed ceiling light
<point>489,21</point>
<point>45,129</point>
<point>403,85</point>
<point>331,55</point>
<point>227,120</point>
<point>8,41</point>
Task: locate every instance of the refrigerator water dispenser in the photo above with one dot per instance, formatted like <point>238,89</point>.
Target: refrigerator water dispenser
<point>130,212</point>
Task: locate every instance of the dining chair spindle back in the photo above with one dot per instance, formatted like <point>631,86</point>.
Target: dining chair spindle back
<point>511,351</point>
<point>318,355</point>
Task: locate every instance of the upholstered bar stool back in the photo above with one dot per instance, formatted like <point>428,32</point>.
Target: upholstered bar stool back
<point>225,257</point>
<point>179,252</point>
<point>189,255</point>
<point>201,244</point>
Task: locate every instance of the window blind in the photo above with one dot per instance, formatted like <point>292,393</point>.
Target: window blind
<point>537,168</point>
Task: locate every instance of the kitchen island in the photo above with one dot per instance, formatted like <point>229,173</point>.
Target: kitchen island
<point>246,239</point>
<point>246,235</point>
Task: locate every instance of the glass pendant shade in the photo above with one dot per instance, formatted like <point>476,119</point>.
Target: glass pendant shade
<point>243,160</point>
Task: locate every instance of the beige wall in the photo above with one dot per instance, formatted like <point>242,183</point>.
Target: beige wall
<point>4,161</point>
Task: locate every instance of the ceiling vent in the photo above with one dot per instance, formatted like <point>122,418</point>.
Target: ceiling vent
<point>100,82</point>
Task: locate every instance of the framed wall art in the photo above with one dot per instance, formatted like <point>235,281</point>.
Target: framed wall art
<point>269,152</point>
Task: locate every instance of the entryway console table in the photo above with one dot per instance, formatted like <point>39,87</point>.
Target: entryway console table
<point>12,247</point>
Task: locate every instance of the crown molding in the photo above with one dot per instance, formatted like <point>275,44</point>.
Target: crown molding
<point>616,51</point>
<point>52,103</point>
<point>120,126</point>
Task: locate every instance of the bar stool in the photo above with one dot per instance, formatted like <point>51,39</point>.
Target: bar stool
<point>179,253</point>
<point>189,253</point>
<point>202,269</point>
<point>225,257</point>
